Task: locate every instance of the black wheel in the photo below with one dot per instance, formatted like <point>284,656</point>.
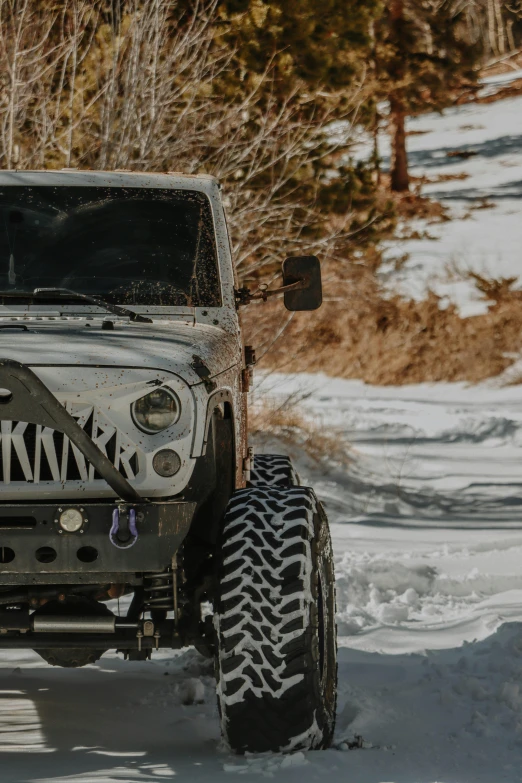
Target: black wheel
<point>275,623</point>
<point>273,470</point>
<point>72,657</point>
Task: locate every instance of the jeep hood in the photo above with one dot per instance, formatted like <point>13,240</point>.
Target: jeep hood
<point>170,346</point>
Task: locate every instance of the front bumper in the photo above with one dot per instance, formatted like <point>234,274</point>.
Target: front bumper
<point>33,551</point>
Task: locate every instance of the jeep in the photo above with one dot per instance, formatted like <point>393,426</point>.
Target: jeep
<point>125,470</point>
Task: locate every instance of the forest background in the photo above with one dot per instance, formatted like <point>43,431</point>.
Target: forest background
<point>274,99</point>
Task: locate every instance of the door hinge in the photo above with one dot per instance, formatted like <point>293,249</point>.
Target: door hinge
<point>247,375</point>
<point>248,463</point>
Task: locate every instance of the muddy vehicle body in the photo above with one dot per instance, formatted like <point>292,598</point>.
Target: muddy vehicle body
<point>125,471</point>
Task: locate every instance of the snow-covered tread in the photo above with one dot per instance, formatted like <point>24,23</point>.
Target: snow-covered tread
<point>273,470</point>
<point>275,623</point>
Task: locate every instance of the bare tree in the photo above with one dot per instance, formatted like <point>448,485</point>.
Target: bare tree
<point>138,89</point>
<point>27,54</point>
<point>492,22</point>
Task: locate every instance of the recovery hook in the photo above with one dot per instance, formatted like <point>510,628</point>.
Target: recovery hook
<point>124,532</point>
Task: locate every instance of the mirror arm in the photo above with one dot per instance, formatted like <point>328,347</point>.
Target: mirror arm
<point>244,295</point>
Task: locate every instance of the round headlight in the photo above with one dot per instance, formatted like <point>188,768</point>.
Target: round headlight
<point>156,411</point>
<point>166,463</point>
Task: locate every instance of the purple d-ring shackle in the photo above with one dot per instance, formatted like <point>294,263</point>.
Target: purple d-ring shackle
<point>133,530</point>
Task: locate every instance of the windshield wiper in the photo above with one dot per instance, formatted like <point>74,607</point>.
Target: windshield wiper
<point>116,309</point>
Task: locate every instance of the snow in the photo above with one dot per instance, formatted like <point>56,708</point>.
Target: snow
<point>426,526</point>
<point>499,80</point>
<point>427,534</point>
<point>485,233</point>
<point>428,544</point>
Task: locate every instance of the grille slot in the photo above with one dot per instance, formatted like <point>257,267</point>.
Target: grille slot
<point>31,453</point>
<point>17,523</point>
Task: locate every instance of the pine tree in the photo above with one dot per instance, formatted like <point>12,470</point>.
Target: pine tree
<point>319,50</point>
<point>422,58</point>
<point>320,54</point>
<point>323,44</point>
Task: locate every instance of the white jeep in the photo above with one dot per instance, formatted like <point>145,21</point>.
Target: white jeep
<point>124,464</point>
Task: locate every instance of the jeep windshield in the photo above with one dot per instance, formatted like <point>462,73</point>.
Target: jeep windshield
<point>142,246</point>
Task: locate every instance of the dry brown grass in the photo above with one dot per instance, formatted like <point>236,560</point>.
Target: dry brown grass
<point>483,203</point>
<point>286,423</point>
<point>412,205</point>
<point>511,90</point>
<point>446,178</point>
<point>359,334</point>
<point>499,289</point>
<point>503,65</point>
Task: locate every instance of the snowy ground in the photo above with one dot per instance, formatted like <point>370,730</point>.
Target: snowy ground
<point>485,234</point>
<point>427,532</point>
<point>428,543</point>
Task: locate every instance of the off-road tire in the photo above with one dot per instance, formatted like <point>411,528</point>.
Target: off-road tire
<point>273,470</point>
<point>275,623</point>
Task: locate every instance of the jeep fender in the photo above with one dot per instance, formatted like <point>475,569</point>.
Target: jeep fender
<point>227,398</point>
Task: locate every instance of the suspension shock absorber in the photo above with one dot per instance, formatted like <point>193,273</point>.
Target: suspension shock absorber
<point>159,591</point>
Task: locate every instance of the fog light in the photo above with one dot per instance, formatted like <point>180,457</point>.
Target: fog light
<point>71,520</point>
<point>166,463</point>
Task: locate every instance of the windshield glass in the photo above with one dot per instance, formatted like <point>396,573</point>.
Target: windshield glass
<point>144,246</point>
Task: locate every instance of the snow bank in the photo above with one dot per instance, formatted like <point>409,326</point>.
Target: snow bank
<point>428,545</point>
<point>427,519</point>
<point>485,234</point>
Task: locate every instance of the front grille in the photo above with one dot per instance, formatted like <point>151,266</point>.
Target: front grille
<point>33,453</point>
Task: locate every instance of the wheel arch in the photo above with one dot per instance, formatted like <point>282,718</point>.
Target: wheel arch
<point>227,398</point>
<point>213,480</point>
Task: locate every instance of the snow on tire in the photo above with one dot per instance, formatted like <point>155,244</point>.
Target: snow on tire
<point>275,622</point>
<point>273,470</point>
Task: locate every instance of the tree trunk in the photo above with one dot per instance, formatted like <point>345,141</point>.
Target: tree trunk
<point>400,180</point>
<point>501,45</point>
<point>491,28</point>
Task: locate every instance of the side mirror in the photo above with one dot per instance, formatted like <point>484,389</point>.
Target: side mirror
<point>305,270</point>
